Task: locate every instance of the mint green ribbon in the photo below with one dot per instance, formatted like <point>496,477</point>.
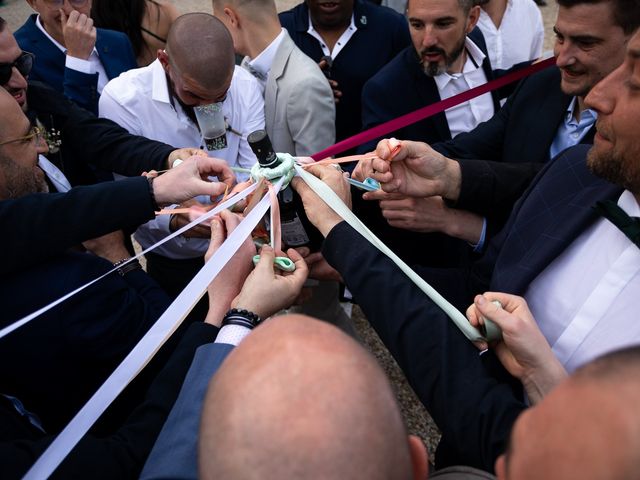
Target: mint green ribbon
<point>333,201</point>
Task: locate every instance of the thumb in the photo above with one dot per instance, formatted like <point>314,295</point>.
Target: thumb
<point>217,233</point>
<point>213,189</point>
<point>267,255</point>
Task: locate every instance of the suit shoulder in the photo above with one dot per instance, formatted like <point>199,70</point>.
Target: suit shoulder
<point>394,73</point>
<point>112,36</point>
<point>26,33</point>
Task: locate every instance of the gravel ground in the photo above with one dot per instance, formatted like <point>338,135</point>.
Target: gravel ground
<point>418,421</point>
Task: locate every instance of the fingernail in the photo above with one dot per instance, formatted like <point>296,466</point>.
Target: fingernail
<point>480,300</point>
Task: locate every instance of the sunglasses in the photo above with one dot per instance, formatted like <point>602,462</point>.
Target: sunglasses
<point>23,64</point>
<point>36,133</point>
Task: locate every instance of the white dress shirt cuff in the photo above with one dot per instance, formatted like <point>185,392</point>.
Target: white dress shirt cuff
<point>79,65</point>
<point>232,334</point>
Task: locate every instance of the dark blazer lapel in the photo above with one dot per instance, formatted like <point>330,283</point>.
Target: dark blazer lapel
<point>104,52</point>
<point>540,137</point>
<point>556,211</point>
<point>428,94</point>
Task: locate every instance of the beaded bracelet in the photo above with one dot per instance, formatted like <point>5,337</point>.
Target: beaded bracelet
<point>241,317</point>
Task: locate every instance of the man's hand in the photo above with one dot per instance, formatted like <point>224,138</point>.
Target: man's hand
<point>267,290</point>
<point>79,34</point>
<point>319,268</point>
<point>110,246</point>
<point>416,170</point>
<point>429,214</point>
<point>326,69</point>
<point>318,212</point>
<point>228,283</point>
<point>189,179</point>
<point>523,350</point>
<point>179,220</point>
<point>183,154</point>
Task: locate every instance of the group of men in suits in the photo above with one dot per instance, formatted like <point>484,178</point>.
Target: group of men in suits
<point>475,400</point>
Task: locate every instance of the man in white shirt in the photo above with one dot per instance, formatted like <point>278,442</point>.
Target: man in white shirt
<point>513,30</point>
<point>158,102</point>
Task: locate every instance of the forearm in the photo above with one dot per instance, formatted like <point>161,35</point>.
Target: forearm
<point>67,219</point>
<point>539,383</point>
<point>464,225</point>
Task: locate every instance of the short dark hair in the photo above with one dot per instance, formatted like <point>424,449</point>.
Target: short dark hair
<point>626,13</point>
<point>2,24</point>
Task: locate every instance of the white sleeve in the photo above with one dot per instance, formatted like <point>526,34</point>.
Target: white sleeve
<point>124,115</point>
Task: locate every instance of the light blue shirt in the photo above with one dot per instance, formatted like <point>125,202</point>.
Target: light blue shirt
<point>571,132</point>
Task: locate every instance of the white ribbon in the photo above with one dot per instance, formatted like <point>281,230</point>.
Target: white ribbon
<point>146,348</point>
<point>226,204</point>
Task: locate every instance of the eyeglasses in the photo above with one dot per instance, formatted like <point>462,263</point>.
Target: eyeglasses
<point>23,63</point>
<point>60,3</point>
<point>36,133</point>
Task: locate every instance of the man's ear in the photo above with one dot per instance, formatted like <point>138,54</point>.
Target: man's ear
<point>32,4</point>
<point>501,467</point>
<point>472,19</point>
<point>164,60</point>
<point>419,458</point>
<point>231,14</point>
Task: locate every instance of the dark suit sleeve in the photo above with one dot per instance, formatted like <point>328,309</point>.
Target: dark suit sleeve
<point>122,454</point>
<point>491,188</point>
<point>97,141</point>
<point>39,226</point>
<point>472,400</point>
<point>174,455</point>
<point>81,88</point>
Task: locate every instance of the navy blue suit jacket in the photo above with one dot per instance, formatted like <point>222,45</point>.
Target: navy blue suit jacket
<point>381,34</point>
<point>500,157</point>
<point>175,454</point>
<point>472,399</point>
<point>402,87</point>
<point>57,361</point>
<point>122,451</point>
<point>114,49</point>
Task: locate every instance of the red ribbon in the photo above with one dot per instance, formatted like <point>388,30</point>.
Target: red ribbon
<point>383,129</point>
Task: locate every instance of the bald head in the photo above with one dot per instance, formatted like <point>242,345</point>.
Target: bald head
<point>300,399</point>
<point>587,428</point>
<point>201,49</point>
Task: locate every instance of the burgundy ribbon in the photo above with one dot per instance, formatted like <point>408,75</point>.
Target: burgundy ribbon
<point>426,112</point>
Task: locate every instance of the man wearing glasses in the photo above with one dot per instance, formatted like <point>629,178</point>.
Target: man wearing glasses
<point>72,55</point>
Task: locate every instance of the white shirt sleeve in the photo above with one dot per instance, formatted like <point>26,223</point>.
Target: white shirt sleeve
<point>254,121</point>
<point>79,65</point>
<point>124,115</point>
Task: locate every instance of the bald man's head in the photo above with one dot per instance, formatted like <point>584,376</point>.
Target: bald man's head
<point>587,428</point>
<point>199,58</point>
<point>300,399</point>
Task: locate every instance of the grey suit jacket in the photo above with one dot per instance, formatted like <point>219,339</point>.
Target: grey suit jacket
<point>175,453</point>
<point>299,109</point>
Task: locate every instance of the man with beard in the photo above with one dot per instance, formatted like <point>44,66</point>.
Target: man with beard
<point>79,141</point>
<point>569,248</point>
<point>448,57</point>
<point>158,102</point>
<point>83,338</point>
<point>487,169</point>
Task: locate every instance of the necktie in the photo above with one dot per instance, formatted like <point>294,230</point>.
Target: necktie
<point>630,226</point>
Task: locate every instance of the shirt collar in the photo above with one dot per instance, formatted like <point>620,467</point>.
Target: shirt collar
<point>160,85</point>
<point>628,203</point>
<point>264,61</point>
<point>46,34</point>
<point>61,47</point>
<point>587,116</point>
<point>475,58</point>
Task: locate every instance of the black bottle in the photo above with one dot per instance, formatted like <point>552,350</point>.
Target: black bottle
<point>296,229</point>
